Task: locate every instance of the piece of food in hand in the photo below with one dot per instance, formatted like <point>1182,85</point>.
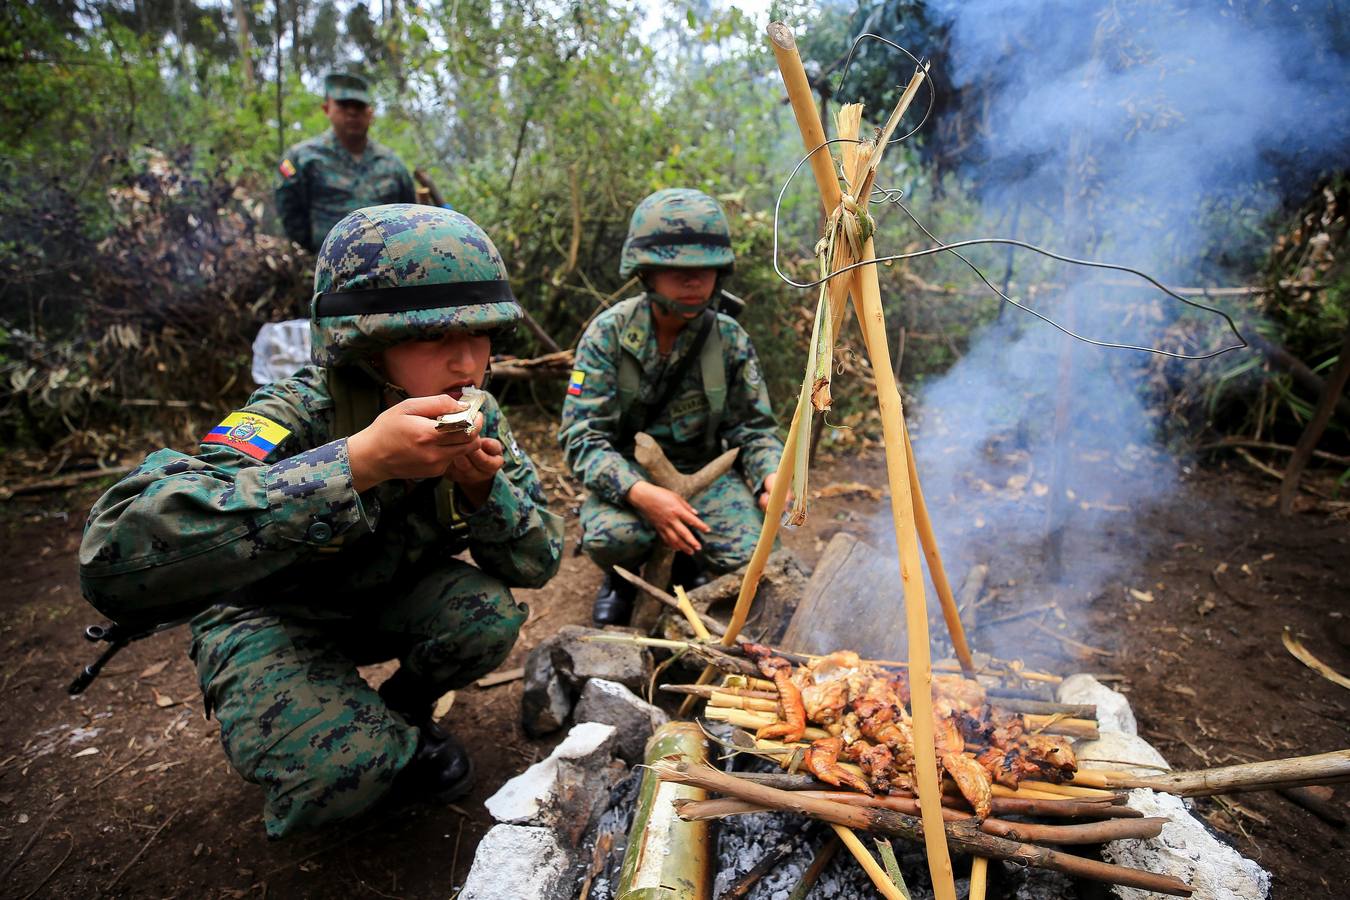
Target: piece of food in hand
<point>466,420</point>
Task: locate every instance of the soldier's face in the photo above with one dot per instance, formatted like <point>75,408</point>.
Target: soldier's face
<point>350,118</point>
<point>446,366</point>
<point>689,288</point>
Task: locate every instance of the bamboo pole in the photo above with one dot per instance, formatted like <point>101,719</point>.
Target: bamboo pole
<point>867,304</point>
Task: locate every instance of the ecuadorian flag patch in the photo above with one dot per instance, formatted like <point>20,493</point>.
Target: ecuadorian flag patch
<point>574,384</point>
<point>287,170</point>
<point>248,433</point>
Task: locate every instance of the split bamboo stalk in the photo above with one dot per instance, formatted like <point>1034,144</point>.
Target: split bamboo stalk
<point>700,630</point>
<point>963,835</point>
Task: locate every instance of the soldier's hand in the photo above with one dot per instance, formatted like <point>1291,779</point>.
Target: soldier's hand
<point>474,472</point>
<point>403,443</point>
<point>669,513</point>
<point>763,498</point>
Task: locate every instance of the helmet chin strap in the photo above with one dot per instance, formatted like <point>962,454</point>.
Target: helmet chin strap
<point>378,377</point>
<point>682,310</point>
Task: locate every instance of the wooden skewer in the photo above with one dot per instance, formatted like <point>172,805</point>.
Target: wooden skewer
<point>707,690</point>
<point>758,717</point>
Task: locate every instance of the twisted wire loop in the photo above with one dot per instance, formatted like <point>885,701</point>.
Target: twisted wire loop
<point>862,224</point>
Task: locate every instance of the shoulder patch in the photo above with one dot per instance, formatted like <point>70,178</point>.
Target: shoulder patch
<point>574,383</point>
<point>287,169</point>
<point>249,433</point>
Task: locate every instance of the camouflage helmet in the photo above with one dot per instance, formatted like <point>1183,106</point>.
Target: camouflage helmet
<point>677,228</point>
<point>401,272</point>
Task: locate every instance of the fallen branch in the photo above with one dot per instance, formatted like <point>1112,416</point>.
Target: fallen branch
<point>1298,771</point>
<point>107,888</point>
<point>1303,655</point>
<point>962,836</point>
<point>65,481</point>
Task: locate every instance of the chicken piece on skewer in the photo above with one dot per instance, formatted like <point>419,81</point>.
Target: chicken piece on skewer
<point>822,761</point>
<point>825,703</point>
<point>779,671</point>
<point>972,781</point>
<point>1052,756</point>
<point>961,693</point>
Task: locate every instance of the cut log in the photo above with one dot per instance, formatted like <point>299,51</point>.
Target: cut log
<point>853,573</point>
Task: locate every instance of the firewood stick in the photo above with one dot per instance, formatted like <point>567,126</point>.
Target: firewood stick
<point>707,690</point>
<point>1298,771</point>
<point>661,596</point>
<point>818,864</point>
<point>1086,711</point>
<point>963,835</point>
<point>874,871</point>
<point>1098,832</point>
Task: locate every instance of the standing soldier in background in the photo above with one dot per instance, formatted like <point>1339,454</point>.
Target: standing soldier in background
<point>326,177</point>
<point>668,363</point>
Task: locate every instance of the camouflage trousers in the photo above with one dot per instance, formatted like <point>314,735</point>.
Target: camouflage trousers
<point>297,718</point>
<point>618,535</point>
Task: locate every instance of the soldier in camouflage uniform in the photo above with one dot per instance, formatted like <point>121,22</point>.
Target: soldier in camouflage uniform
<point>318,528</point>
<point>666,363</point>
<point>326,177</point>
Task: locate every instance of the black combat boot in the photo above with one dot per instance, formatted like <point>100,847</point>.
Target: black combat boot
<point>688,572</point>
<point>440,770</point>
<point>613,601</point>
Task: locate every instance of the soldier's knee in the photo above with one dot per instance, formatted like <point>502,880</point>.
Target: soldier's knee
<point>339,773</point>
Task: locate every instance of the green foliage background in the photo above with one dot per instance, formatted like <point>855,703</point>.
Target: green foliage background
<point>140,250</point>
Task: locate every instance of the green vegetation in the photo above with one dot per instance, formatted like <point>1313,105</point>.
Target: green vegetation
<point>140,251</point>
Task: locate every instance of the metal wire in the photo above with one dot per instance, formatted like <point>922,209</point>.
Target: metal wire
<point>894,197</point>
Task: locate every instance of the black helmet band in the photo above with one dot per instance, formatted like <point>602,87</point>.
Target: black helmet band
<point>409,299</point>
<point>667,239</point>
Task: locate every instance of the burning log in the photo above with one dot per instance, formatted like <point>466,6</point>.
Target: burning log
<point>963,836</point>
<point>1098,832</point>
<point>662,849</point>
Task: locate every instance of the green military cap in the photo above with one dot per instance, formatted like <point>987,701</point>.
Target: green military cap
<point>346,86</point>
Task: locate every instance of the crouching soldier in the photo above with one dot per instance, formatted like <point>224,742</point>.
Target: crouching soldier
<point>319,526</point>
<point>666,362</point>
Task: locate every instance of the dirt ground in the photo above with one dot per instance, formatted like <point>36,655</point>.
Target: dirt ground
<point>124,790</point>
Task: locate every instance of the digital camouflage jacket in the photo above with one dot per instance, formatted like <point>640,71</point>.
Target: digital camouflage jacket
<point>264,515</point>
<point>592,437</point>
<point>321,182</point>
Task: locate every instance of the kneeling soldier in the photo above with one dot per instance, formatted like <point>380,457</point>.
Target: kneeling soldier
<point>319,525</point>
<point>667,363</point>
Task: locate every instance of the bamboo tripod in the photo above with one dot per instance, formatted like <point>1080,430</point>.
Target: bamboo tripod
<point>908,509</point>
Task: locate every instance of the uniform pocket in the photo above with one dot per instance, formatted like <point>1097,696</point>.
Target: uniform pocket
<point>255,677</point>
<point>688,417</point>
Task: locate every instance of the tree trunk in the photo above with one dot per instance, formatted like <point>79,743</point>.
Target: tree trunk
<point>1326,404</point>
<point>242,39</point>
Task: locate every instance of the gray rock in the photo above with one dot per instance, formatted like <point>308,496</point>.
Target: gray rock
<point>613,704</point>
<point>1186,849</point>
<point>517,862</point>
<point>567,791</point>
<point>557,670</point>
<point>1113,710</point>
